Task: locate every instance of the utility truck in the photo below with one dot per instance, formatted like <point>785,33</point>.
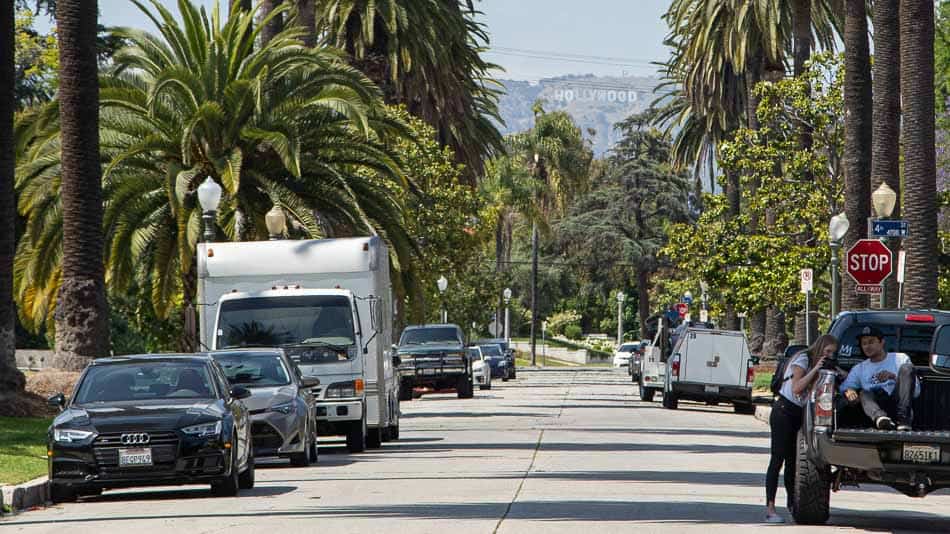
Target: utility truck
<point>709,365</point>
<point>328,304</point>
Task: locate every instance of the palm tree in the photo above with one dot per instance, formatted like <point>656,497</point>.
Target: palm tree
<point>82,315</point>
<point>11,379</point>
<point>857,140</point>
<point>279,124</point>
<point>885,156</point>
<point>920,197</point>
<point>272,19</point>
<point>425,54</point>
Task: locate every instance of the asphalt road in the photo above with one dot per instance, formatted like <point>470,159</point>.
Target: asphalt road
<point>555,451</point>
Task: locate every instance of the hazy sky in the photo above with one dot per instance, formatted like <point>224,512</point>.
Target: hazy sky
<point>535,38</point>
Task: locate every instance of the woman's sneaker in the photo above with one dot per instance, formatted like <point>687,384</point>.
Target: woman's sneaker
<point>884,423</point>
<point>774,518</point>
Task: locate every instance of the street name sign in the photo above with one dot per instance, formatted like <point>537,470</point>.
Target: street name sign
<point>889,228</point>
<point>868,263</point>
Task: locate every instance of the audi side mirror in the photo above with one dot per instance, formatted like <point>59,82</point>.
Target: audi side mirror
<point>57,401</point>
<point>940,350</point>
<point>240,392</point>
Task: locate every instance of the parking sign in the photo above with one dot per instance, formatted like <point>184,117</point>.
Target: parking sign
<point>807,278</point>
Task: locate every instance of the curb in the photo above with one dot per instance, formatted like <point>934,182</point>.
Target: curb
<point>762,413</point>
<point>27,495</point>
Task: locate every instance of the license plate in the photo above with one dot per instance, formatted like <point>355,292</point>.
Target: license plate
<point>712,389</point>
<point>922,454</point>
<point>134,457</point>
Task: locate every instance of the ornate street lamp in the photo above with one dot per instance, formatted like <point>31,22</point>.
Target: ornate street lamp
<point>837,228</point>
<point>620,298</point>
<point>209,196</point>
<point>884,199</point>
<point>507,295</point>
<point>276,222</point>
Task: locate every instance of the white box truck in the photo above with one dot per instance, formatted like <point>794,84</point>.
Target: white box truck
<point>710,366</point>
<point>328,304</point>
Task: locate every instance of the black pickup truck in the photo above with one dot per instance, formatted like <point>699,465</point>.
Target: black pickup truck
<point>434,356</point>
<point>839,446</point>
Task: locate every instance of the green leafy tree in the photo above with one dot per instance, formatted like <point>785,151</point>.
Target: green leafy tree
<point>37,62</point>
<point>276,124</point>
<point>801,187</point>
<point>618,228</point>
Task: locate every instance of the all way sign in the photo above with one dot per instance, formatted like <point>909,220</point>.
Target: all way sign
<point>869,263</point>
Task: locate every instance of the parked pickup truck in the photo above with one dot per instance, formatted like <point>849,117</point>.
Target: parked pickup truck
<point>434,356</point>
<point>838,446</point>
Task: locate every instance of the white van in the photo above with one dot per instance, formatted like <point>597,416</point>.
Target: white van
<point>328,303</point>
<point>710,366</point>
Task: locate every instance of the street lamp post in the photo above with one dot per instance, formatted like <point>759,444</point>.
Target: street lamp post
<point>883,200</point>
<point>507,294</point>
<point>620,297</point>
<point>276,222</point>
<point>209,196</point>
<point>544,344</point>
<point>837,228</point>
<point>534,273</point>
<point>443,284</point>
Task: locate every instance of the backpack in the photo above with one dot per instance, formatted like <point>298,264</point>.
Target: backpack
<point>778,379</point>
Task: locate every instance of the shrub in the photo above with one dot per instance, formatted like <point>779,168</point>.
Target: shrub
<point>573,331</point>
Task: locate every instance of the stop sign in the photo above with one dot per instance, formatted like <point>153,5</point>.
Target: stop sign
<point>869,262</point>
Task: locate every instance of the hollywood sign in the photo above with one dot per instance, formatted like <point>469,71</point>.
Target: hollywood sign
<point>595,95</point>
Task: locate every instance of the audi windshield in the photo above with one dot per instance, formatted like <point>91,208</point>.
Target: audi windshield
<point>140,382</point>
<point>315,320</point>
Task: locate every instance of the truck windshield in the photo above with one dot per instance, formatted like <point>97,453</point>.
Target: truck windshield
<point>429,336</point>
<point>318,320</point>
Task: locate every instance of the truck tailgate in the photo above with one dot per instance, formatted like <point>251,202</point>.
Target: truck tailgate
<point>714,358</point>
<point>871,435</point>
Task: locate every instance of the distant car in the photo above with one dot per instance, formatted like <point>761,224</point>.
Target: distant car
<point>481,370</point>
<point>495,356</point>
<point>510,369</point>
<point>282,407</point>
<point>624,354</point>
<point>150,420</point>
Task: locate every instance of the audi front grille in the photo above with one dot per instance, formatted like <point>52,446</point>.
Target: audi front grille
<point>164,447</point>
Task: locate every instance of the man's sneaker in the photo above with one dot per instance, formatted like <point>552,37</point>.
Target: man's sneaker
<point>903,427</point>
<point>884,423</point>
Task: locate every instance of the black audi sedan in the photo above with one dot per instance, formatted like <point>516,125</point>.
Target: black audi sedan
<point>150,420</point>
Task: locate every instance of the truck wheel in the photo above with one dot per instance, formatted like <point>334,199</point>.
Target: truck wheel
<point>465,389</point>
<point>394,432</point>
<point>374,438</point>
<point>405,390</point>
<point>812,500</point>
<point>646,394</point>
<point>745,408</point>
<point>670,401</point>
<point>356,436</point>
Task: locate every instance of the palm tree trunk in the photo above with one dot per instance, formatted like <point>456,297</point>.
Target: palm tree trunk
<point>306,17</point>
<point>11,380</point>
<point>801,30</point>
<point>885,159</point>
<point>276,25</point>
<point>82,313</point>
<point>857,137</point>
<point>920,169</point>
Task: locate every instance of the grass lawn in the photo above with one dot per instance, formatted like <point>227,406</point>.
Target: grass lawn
<point>22,448</point>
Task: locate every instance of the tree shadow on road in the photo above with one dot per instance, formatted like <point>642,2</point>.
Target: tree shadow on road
<point>189,493</point>
<point>548,446</point>
<point>600,511</point>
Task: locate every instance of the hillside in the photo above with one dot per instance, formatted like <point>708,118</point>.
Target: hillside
<point>595,102</point>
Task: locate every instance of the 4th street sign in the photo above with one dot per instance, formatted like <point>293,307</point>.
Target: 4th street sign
<point>889,228</point>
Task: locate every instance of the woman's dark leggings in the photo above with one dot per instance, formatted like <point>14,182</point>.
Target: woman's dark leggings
<point>786,420</point>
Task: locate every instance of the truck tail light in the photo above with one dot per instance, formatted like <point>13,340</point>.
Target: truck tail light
<point>825,399</point>
<point>750,373</point>
<point>919,318</point>
<point>675,366</point>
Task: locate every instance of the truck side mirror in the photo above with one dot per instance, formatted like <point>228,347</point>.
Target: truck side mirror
<point>940,350</point>
<point>397,361</point>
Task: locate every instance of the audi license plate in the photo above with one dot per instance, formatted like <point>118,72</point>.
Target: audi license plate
<point>922,454</point>
<point>135,457</point>
<point>712,389</point>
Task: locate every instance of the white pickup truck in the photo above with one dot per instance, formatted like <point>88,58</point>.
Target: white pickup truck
<point>710,366</point>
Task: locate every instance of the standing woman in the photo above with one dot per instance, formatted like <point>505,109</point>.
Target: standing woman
<point>786,418</point>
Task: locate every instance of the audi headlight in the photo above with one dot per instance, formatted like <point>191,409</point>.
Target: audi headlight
<point>351,388</point>
<point>284,408</point>
<point>69,435</point>
<point>203,430</point>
